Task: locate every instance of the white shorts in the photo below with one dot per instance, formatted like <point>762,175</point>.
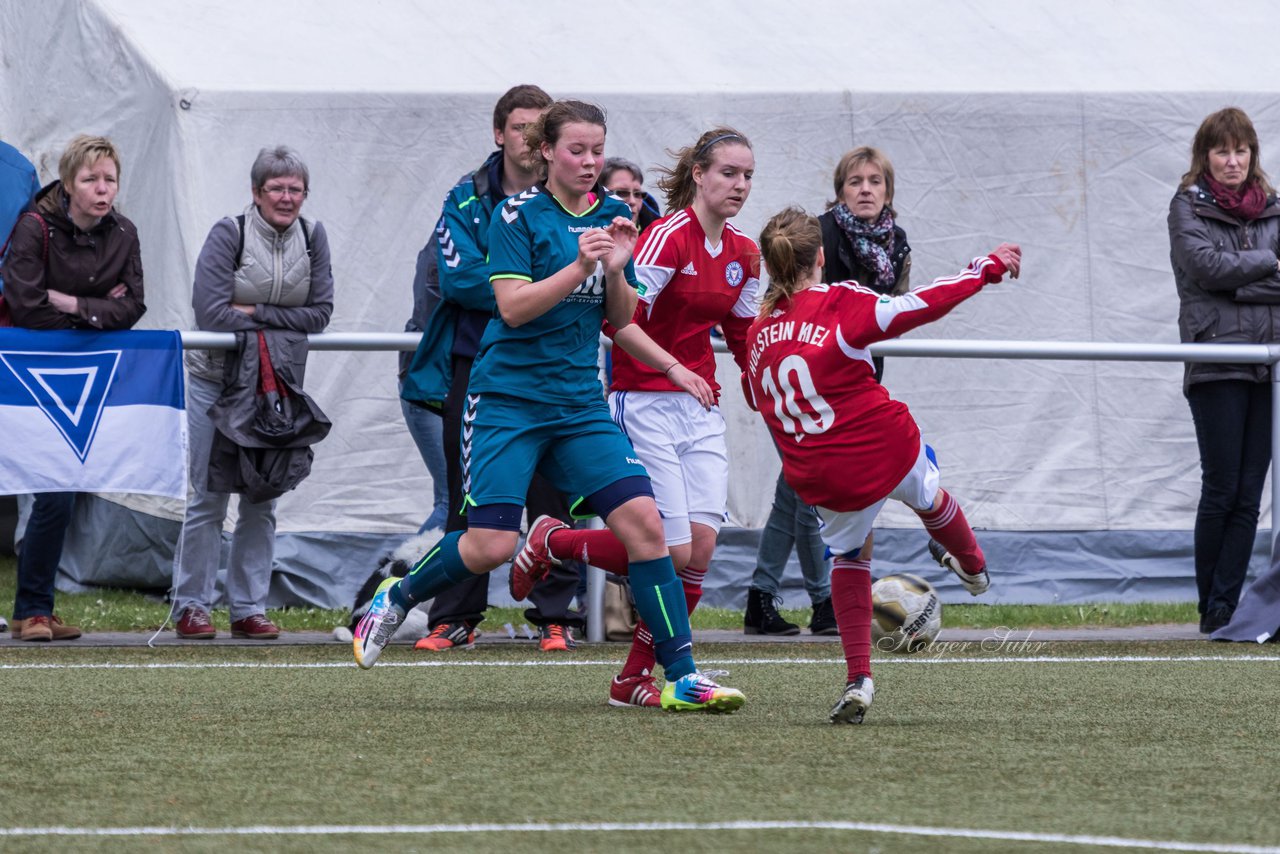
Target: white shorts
<point>846,532</point>
<point>682,447</point>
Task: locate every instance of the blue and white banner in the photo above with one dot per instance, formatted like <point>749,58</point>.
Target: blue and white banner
<point>92,412</point>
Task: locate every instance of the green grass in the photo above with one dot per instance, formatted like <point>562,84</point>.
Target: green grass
<point>1147,749</point>
<point>125,610</point>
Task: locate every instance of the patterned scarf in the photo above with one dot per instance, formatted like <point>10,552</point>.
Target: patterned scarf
<point>1245,202</point>
<point>872,243</point>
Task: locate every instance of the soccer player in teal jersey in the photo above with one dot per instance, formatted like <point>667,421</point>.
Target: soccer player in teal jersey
<point>560,263</point>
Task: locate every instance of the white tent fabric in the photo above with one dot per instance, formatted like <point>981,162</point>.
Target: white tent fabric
<point>1062,127</point>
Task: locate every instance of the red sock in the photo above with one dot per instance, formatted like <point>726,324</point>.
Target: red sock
<point>851,600</point>
<point>946,524</point>
<point>641,657</point>
<point>598,548</point>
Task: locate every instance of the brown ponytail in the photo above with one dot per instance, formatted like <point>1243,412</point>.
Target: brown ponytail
<point>789,244</point>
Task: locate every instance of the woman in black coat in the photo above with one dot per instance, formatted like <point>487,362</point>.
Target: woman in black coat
<point>1224,237</point>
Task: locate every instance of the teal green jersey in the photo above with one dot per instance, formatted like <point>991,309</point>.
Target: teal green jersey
<point>552,358</point>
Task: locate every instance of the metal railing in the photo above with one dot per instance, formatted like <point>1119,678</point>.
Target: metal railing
<point>1249,354</point>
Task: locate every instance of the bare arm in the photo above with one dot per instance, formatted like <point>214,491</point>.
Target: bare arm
<point>637,342</point>
<point>520,301</point>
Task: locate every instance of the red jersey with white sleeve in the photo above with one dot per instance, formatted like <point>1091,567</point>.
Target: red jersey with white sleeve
<point>845,443</point>
<point>688,286</point>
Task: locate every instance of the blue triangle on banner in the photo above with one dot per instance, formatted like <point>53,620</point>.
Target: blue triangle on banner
<point>69,388</point>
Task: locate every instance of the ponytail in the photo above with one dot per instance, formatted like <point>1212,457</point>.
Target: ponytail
<point>789,244</point>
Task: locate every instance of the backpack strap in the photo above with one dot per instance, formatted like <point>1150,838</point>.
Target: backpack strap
<point>44,231</point>
<point>240,244</point>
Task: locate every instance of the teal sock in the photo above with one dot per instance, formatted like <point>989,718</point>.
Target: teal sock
<point>660,601</point>
<point>441,569</point>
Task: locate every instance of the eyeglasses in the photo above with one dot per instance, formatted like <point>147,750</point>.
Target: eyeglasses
<point>277,192</point>
<point>628,194</point>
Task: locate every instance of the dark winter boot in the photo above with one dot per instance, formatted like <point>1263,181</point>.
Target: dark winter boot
<point>823,621</point>
<point>762,617</point>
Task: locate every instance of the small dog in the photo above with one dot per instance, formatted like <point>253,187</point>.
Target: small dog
<point>398,563</point>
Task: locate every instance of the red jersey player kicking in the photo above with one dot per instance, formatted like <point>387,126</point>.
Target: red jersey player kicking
<point>847,447</point>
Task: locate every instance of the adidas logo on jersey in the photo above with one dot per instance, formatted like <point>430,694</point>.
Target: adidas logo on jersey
<point>688,270</point>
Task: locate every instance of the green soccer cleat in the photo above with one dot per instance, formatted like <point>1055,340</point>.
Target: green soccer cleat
<point>697,693</point>
<point>376,627</point>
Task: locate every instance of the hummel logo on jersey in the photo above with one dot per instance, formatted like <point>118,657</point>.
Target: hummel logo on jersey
<point>448,248</point>
<point>688,270</point>
<point>510,210</point>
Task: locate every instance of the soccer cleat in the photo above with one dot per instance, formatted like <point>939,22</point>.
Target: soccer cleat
<point>447,636</point>
<point>639,691</point>
<point>697,693</point>
<point>378,624</point>
<point>556,638</point>
<point>854,702</point>
<point>534,559</point>
<point>976,583</point>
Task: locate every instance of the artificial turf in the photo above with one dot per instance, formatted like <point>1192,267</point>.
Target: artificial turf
<point>1130,746</point>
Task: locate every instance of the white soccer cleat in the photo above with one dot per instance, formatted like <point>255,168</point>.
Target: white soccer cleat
<point>854,702</point>
<point>976,584</point>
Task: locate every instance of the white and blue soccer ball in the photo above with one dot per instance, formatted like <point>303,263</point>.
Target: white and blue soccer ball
<point>906,613</point>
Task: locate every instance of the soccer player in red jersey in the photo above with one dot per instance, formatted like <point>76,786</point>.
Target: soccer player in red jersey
<point>696,270</point>
<point>847,447</point>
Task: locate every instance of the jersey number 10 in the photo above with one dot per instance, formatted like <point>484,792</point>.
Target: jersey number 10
<point>793,371</point>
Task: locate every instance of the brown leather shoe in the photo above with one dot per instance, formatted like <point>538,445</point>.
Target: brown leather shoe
<point>256,627</point>
<point>61,631</point>
<point>35,628</point>
<point>194,624</point>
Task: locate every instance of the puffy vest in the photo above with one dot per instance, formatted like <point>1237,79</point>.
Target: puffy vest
<point>274,268</point>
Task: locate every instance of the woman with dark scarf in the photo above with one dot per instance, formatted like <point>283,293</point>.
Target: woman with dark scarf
<point>860,234</point>
<point>1224,238</point>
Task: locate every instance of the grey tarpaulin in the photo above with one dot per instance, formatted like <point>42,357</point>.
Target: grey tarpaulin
<point>1064,127</point>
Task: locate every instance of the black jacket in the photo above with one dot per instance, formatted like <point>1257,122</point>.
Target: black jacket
<point>1227,280</point>
<point>262,446</point>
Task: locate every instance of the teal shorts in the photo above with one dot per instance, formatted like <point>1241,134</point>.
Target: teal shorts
<point>578,448</point>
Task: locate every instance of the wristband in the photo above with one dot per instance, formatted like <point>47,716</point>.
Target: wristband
<point>667,372</point>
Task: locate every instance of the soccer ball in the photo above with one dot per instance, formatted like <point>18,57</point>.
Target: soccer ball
<point>906,613</point>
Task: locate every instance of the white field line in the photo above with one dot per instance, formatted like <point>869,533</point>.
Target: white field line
<point>640,827</point>
<point>386,665</point>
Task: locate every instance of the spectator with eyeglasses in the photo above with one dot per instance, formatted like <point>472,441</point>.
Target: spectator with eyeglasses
<point>625,180</point>
<point>267,268</point>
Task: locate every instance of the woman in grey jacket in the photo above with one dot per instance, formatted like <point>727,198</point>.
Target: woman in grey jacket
<point>266,269</point>
<point>1224,237</point>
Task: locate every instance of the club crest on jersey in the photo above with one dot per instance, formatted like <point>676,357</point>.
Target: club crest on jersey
<point>733,274</point>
